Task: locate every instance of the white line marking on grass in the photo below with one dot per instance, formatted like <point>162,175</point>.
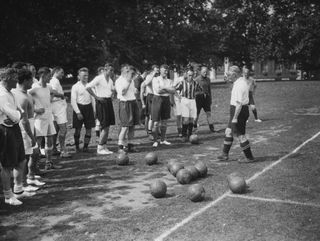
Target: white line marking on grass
<point>275,200</point>
<point>193,215</point>
<point>214,202</point>
<point>267,168</point>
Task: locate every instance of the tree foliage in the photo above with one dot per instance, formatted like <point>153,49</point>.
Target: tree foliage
<point>76,33</point>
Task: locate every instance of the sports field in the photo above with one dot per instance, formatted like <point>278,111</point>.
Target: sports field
<point>91,198</point>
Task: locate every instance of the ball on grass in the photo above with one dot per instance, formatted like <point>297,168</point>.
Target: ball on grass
<point>175,167</point>
<point>202,168</point>
<point>123,159</point>
<point>194,139</point>
<point>196,193</point>
<point>194,172</point>
<point>237,184</point>
<point>151,158</point>
<point>158,189</point>
<point>184,176</point>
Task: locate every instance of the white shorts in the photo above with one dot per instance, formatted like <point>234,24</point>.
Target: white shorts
<point>27,142</point>
<point>177,106</point>
<point>43,124</point>
<point>59,110</point>
<point>188,108</point>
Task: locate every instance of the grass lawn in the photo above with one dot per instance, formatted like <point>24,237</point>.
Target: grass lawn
<point>92,198</point>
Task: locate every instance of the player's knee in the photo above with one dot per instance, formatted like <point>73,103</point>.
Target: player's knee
<point>228,132</point>
<point>242,138</point>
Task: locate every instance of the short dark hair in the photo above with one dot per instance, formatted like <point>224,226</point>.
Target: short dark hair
<point>127,67</point>
<point>108,65</point>
<point>56,69</point>
<point>83,69</point>
<point>154,66</point>
<point>43,71</point>
<point>19,65</point>
<point>7,74</point>
<point>164,66</point>
<point>24,74</point>
<point>100,69</point>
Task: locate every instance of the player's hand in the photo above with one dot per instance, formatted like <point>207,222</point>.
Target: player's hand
<point>234,121</point>
<point>39,111</point>
<point>100,99</point>
<point>8,122</point>
<point>79,116</point>
<point>143,106</point>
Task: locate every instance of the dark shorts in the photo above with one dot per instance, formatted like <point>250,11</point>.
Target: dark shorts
<point>149,104</point>
<point>239,128</point>
<point>88,117</point>
<point>105,113</point>
<point>129,113</point>
<point>203,102</point>
<point>161,108</point>
<point>11,146</point>
<point>251,100</point>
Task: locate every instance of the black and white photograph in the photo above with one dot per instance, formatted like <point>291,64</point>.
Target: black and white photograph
<point>173,120</point>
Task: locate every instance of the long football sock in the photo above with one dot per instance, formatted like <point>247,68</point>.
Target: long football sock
<point>227,144</point>
<point>86,140</point>
<point>255,113</point>
<point>245,146</point>
<point>190,128</point>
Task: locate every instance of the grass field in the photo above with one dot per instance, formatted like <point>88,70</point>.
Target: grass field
<point>91,198</point>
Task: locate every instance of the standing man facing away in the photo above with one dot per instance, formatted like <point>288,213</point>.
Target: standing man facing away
<point>102,88</point>
<point>161,104</point>
<point>83,110</point>
<point>128,107</point>
<point>12,155</point>
<point>59,110</point>
<point>147,88</point>
<point>25,101</point>
<point>239,113</point>
<point>253,86</point>
<point>204,97</point>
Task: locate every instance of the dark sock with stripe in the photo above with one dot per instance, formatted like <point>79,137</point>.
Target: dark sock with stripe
<point>255,113</point>
<point>184,130</point>
<point>155,133</point>
<point>76,140</point>
<point>149,132</point>
<point>163,131</point>
<point>245,146</point>
<point>190,128</point>
<point>227,144</point>
<point>179,130</point>
<point>97,133</point>
<point>86,141</point>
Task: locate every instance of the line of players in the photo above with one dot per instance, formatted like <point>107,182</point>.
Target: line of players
<point>31,108</point>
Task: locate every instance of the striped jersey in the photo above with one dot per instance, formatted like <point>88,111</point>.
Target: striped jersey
<point>189,89</point>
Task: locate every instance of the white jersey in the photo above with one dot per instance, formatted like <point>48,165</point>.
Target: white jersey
<point>240,92</point>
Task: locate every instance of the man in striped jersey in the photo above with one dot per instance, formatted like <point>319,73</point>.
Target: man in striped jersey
<point>188,87</point>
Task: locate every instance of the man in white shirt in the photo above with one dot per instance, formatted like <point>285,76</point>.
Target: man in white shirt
<point>102,88</point>
<point>12,156</point>
<point>128,107</point>
<point>100,71</point>
<point>59,110</point>
<point>43,123</point>
<point>146,87</point>
<point>252,89</point>
<point>83,112</point>
<point>239,114</point>
<point>163,91</point>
